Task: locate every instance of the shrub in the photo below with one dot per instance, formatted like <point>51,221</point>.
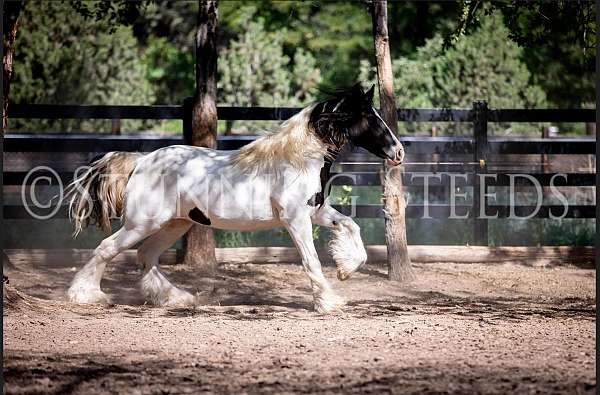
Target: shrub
<point>61,58</point>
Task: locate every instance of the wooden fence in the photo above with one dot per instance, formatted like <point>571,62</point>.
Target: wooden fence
<point>479,148</point>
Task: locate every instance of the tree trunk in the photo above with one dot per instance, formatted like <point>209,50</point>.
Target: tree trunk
<point>115,127</point>
<point>199,241</point>
<point>399,265</point>
<point>590,128</point>
<point>11,10</point>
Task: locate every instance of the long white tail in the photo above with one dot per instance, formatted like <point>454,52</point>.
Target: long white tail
<point>98,194</point>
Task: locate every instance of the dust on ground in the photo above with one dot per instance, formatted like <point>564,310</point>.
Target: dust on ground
<point>476,328</point>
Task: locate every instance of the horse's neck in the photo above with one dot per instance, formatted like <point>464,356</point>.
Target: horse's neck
<point>313,165</point>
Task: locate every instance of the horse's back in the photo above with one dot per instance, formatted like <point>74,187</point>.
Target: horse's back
<point>163,177</point>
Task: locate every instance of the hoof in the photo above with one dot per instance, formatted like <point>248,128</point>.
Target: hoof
<point>329,303</point>
<point>172,297</point>
<point>179,298</point>
<point>347,266</point>
<point>88,296</point>
<point>157,290</point>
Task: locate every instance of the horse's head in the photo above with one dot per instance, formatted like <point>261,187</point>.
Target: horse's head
<point>351,117</point>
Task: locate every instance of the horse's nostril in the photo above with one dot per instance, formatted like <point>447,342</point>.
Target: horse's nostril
<point>400,154</point>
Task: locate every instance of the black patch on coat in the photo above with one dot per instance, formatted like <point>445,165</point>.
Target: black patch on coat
<point>198,216</point>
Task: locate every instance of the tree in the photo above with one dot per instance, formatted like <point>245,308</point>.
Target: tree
<point>335,32</point>
<point>399,266</point>
<point>63,58</point>
<point>558,38</point>
<point>254,71</point>
<point>199,241</point>
<point>10,26</point>
<point>110,14</point>
<point>170,70</point>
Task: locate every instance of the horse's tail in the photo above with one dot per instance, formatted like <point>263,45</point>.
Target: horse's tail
<point>99,193</point>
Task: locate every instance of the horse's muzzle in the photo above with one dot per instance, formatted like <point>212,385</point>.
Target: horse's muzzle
<point>398,157</point>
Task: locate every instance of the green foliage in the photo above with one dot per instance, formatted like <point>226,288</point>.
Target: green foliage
<point>229,239</point>
<point>485,65</point>
<point>174,21</point>
<point>170,70</point>
<point>114,13</point>
<point>337,33</point>
<point>61,58</point>
<point>559,41</point>
<point>542,232</point>
<point>272,237</point>
<point>254,71</point>
<point>345,197</point>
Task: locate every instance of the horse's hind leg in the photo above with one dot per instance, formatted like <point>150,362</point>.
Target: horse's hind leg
<point>85,287</point>
<point>155,286</point>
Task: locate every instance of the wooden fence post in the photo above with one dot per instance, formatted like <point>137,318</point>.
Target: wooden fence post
<point>480,136</point>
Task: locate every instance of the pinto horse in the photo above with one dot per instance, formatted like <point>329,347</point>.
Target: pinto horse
<point>276,181</point>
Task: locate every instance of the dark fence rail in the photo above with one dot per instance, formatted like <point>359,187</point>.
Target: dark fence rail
<point>414,145</point>
<point>52,111</point>
<point>59,111</point>
<point>479,149</point>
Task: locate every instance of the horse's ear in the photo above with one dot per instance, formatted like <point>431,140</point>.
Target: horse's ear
<point>369,94</point>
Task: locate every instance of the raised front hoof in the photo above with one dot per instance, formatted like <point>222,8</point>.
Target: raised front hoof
<point>344,270</point>
<point>343,273</point>
<point>330,304</point>
<point>87,296</point>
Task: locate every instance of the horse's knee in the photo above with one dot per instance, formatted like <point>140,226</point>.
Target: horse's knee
<point>106,249</point>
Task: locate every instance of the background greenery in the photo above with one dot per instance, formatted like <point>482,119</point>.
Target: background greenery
<point>278,52</point>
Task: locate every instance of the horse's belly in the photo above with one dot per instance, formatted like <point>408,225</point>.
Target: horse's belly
<point>233,204</point>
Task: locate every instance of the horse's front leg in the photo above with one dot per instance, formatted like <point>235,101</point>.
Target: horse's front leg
<point>300,229</point>
<point>346,246</point>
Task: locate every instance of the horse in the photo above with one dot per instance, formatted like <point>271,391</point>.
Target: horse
<point>278,180</point>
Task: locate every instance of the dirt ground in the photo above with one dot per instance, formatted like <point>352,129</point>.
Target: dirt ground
<point>472,328</point>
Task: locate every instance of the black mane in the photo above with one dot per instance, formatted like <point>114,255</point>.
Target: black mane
<point>328,120</point>
<point>330,117</point>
